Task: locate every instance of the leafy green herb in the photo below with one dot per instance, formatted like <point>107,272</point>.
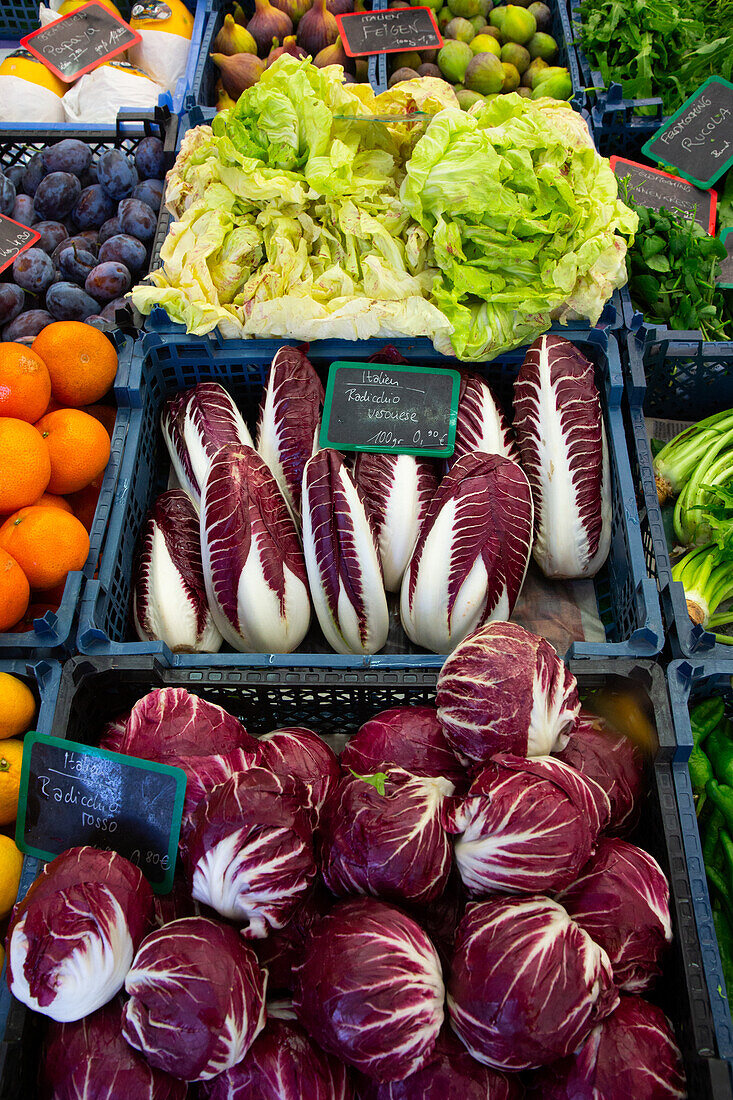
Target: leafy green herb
<point>377,780</point>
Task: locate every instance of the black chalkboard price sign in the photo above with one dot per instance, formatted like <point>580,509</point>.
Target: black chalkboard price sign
<point>14,239</point>
<point>698,138</point>
<point>73,794</point>
<point>725,278</point>
<point>391,410</point>
<point>79,42</point>
<point>367,32</point>
<point>656,189</point>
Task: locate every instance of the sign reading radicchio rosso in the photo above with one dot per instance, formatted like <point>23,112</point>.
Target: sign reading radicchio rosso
<point>698,139</point>
<point>391,409</point>
<point>73,794</point>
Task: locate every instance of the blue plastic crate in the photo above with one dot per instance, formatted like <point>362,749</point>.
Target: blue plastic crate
<point>54,631</point>
<point>18,17</point>
<point>674,380</point>
<point>626,597</point>
<point>689,683</point>
<point>43,678</point>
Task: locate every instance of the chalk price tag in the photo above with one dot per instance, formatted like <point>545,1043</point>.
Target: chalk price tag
<point>73,794</point>
<point>698,139</point>
<point>14,239</point>
<point>656,189</point>
<point>79,42</point>
<point>367,32</point>
<point>391,409</point>
<point>725,279</point>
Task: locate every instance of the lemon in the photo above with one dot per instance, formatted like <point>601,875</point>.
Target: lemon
<point>11,864</point>
<point>17,706</point>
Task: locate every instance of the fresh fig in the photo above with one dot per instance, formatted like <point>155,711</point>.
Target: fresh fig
<point>542,16</point>
<point>485,74</point>
<point>486,43</point>
<point>289,46</point>
<point>267,23</point>
<point>317,29</point>
<point>233,39</point>
<point>400,75</point>
<point>429,70</point>
<point>528,77</point>
<point>542,45</point>
<point>334,55</point>
<point>239,72</point>
<point>511,77</point>
<point>514,54</point>
<point>460,29</point>
<point>340,7</point>
<point>467,98</point>
<point>453,60</point>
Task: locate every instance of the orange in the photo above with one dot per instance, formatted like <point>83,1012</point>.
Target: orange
<point>11,864</point>
<point>84,503</point>
<point>25,384</point>
<point>47,543</point>
<point>25,464</point>
<point>78,446</point>
<point>81,361</point>
<point>105,414</point>
<point>33,611</point>
<point>14,591</point>
<point>48,500</point>
<point>17,706</point>
<point>11,757</point>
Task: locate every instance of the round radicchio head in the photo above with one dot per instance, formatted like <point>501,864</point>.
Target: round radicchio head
<point>614,762</point>
<point>72,938</point>
<point>632,1053</point>
<point>280,952</point>
<point>382,835</point>
<point>449,1074</point>
<point>197,999</point>
<point>526,826</point>
<point>89,1060</point>
<point>299,752</point>
<point>408,737</point>
<point>370,990</point>
<point>526,984</point>
<point>282,1064</point>
<point>504,689</point>
<point>621,899</point>
<point>249,850</point>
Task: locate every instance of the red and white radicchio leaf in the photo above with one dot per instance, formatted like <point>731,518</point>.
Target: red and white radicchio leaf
<point>253,564</point>
<point>295,751</point>
<point>169,591</point>
<point>481,424</point>
<point>472,553</point>
<point>290,420</point>
<point>249,851</point>
<point>410,737</point>
<point>341,557</point>
<point>197,999</point>
<point>370,989</point>
<point>526,826</point>
<point>173,722</point>
<point>196,423</point>
<point>527,985</point>
<point>559,426</point>
<point>383,835</point>
<point>504,689</point>
<point>621,899</point>
<point>72,939</point>
<point>397,490</point>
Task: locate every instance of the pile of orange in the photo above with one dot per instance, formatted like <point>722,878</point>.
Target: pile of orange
<point>17,716</point>
<point>54,447</point>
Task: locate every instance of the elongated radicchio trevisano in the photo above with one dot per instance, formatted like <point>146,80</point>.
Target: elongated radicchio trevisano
<point>169,591</point>
<point>382,835</point>
<point>253,565</point>
<point>283,1064</point>
<point>471,556</point>
<point>504,689</point>
<point>370,989</point>
<point>72,938</point>
<point>341,557</point>
<point>614,762</point>
<point>397,490</point>
<point>409,737</point>
<point>249,851</point>
<point>290,419</point>
<point>295,751</point>
<point>89,1060</point>
<point>558,422</point>
<point>632,1053</point>
<point>481,424</point>
<point>621,899</point>
<point>526,984</point>
<point>197,999</point>
<point>449,1074</point>
<point>526,826</point>
<point>196,423</point>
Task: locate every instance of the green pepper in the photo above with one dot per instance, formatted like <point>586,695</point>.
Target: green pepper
<point>726,846</point>
<point>719,749</point>
<point>701,771</point>
<point>711,837</point>
<point>724,932</point>
<point>717,881</point>
<point>705,716</point>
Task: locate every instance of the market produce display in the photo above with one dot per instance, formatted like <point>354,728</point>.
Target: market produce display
<point>432,231</point>
<point>343,871</point>
<point>136,79</point>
